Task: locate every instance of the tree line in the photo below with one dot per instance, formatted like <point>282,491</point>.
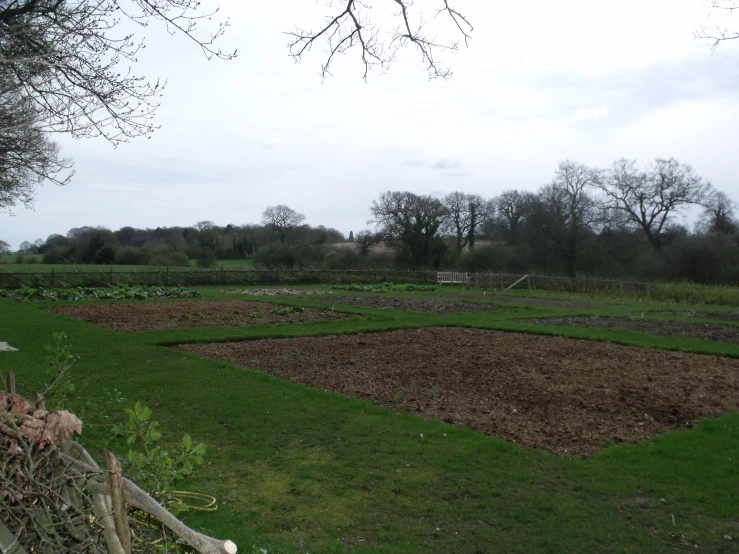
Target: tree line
<point>622,221</point>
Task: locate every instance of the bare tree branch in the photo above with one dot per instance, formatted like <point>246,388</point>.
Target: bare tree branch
<point>351,27</point>
<point>719,33</point>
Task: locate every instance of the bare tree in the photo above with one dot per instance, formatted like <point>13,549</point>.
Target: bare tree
<point>414,222</point>
<point>282,220</point>
<point>648,200</point>
<point>366,239</point>
<point>68,58</point>
<point>720,33</point>
<point>512,207</point>
<point>569,201</point>
<point>465,214</point>
<point>4,247</point>
<point>350,26</point>
<point>63,70</point>
<point>718,215</point>
<point>27,155</point>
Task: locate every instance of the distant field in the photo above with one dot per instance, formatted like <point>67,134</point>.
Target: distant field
<point>7,264</point>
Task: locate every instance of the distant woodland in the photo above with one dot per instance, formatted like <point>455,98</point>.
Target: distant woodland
<point>621,222</point>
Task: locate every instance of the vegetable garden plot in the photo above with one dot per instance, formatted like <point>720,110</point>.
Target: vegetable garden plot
<point>189,315</point>
<point>705,331</point>
<point>563,395</point>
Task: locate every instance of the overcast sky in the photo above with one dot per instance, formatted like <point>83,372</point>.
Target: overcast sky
<point>541,81</point>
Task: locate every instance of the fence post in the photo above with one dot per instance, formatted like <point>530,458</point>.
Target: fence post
<point>528,282</point>
<point>111,276</point>
<point>167,279</point>
<point>53,278</point>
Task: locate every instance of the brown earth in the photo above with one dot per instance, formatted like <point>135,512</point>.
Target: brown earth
<point>553,393</point>
<point>155,316</point>
<point>551,302</point>
<point>412,304</point>
<point>667,328</point>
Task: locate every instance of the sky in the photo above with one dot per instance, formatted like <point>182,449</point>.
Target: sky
<point>540,82</point>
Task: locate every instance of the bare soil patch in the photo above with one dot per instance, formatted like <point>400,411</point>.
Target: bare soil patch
<point>563,395</point>
<point>188,315</point>
<point>721,316</point>
<point>413,305</point>
<point>705,331</point>
<point>527,301</point>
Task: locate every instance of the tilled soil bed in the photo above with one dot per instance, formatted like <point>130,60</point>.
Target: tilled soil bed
<point>413,304</point>
<point>705,331</point>
<point>721,316</point>
<point>553,393</point>
<point>135,317</point>
<point>529,301</point>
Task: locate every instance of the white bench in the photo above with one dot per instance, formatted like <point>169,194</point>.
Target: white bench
<point>451,278</point>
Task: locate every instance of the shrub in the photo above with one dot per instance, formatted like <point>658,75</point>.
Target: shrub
<point>171,259</point>
<point>106,255</point>
<point>206,258</point>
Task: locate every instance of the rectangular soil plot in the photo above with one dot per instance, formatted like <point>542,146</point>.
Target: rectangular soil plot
<point>154,316</point>
<point>563,395</point>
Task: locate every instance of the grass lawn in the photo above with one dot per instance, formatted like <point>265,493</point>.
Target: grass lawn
<point>298,470</point>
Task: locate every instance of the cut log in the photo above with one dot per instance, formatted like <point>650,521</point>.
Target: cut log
<point>115,479</point>
<point>139,499</point>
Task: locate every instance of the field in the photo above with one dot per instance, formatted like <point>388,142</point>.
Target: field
<point>8,264</point>
<point>440,421</point>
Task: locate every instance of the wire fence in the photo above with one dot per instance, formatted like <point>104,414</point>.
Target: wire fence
<point>256,277</point>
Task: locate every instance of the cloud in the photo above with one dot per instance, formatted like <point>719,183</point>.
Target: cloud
<point>445,164</point>
<point>414,162</point>
<point>626,96</point>
<point>272,142</point>
<point>592,114</point>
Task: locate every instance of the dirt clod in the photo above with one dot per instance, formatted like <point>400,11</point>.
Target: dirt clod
<point>563,395</point>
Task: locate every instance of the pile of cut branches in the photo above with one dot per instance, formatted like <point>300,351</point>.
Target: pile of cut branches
<point>55,498</point>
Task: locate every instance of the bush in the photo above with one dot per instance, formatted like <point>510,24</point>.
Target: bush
<point>134,256</point>
<point>290,256</point>
<point>171,259</point>
<point>206,258</point>
<point>53,256</point>
<point>106,255</point>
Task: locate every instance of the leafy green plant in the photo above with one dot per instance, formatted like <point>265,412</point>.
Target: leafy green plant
<point>150,464</point>
<point>387,287</point>
<point>120,292</point>
<point>255,315</point>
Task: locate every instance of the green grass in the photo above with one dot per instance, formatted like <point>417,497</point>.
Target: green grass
<point>7,264</point>
<point>300,470</point>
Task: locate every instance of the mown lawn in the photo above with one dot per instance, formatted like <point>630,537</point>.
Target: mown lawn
<point>300,470</point>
